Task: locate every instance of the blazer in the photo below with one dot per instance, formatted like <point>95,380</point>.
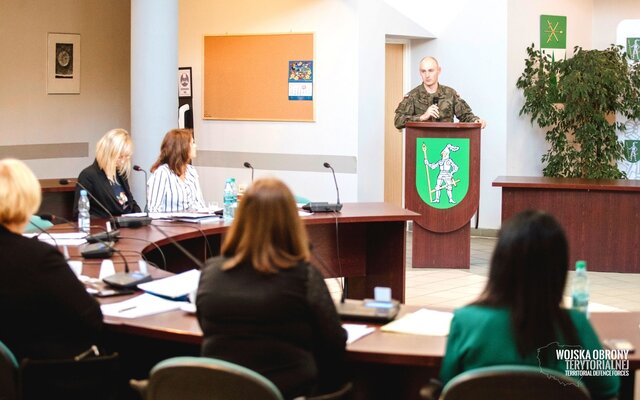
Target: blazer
<point>283,325</point>
<point>96,181</point>
<point>46,311</point>
<point>482,337</point>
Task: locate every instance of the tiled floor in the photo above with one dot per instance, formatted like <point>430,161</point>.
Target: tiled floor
<point>454,288</point>
<point>451,288</point>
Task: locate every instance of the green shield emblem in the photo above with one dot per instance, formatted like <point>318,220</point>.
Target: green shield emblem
<point>633,48</point>
<point>442,171</point>
<point>632,150</point>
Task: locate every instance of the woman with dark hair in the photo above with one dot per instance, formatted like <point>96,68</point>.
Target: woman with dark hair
<point>263,305</point>
<point>174,184</point>
<point>518,318</point>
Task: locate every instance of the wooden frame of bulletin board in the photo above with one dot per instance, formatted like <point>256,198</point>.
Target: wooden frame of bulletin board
<point>246,77</point>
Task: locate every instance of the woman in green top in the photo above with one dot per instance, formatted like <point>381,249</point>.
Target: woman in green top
<point>518,319</point>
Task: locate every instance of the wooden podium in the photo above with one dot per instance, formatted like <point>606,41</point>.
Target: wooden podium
<point>442,175</point>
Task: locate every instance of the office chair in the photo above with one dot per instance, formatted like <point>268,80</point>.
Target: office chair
<point>200,378</point>
<point>506,382</point>
<point>8,374</point>
<point>90,378</point>
<point>342,393</point>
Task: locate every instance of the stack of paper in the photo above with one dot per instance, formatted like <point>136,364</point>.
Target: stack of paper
<point>174,287</point>
<point>139,306</point>
<point>422,322</point>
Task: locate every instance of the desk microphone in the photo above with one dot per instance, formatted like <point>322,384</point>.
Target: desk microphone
<point>248,165</point>
<point>44,231</point>
<point>104,236</point>
<point>146,179</point>
<point>104,249</point>
<point>324,206</point>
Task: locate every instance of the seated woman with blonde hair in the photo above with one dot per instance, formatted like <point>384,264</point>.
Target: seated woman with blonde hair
<point>264,306</point>
<point>174,183</point>
<point>46,311</point>
<point>107,179</point>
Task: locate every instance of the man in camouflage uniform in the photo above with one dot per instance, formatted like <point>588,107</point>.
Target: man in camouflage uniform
<point>433,102</point>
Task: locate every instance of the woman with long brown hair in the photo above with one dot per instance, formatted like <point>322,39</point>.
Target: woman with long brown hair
<point>174,184</point>
<point>263,305</point>
<point>518,318</point>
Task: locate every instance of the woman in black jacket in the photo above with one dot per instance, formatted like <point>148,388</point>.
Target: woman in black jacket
<point>264,306</point>
<point>46,311</point>
<point>107,179</point>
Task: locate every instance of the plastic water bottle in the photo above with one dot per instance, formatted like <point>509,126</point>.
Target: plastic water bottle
<point>234,202</point>
<point>84,219</point>
<point>228,200</point>
<point>580,288</point>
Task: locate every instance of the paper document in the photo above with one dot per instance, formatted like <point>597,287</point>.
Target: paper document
<point>140,306</point>
<point>357,331</point>
<point>61,239</point>
<point>174,287</point>
<point>422,322</point>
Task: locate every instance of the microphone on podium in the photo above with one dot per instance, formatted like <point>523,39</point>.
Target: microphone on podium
<point>435,101</point>
<point>324,206</point>
<point>248,165</point>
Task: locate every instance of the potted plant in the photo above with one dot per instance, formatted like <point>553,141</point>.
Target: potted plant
<point>575,100</point>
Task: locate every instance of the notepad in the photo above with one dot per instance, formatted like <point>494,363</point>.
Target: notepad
<point>140,306</point>
<point>422,322</point>
<point>176,287</point>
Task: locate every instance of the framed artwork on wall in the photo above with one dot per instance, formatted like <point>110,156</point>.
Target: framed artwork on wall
<point>63,63</point>
<point>184,82</point>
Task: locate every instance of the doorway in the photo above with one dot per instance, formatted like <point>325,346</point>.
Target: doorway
<point>393,138</point>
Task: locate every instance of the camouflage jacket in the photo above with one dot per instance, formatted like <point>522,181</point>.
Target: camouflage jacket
<point>416,102</point>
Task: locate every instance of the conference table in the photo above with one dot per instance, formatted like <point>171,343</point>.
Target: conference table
<point>370,241</point>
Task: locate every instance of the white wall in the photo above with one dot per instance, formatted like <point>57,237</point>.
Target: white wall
<point>335,90</point>
<point>348,90</point>
<point>526,144</point>
<point>30,116</point>
<point>606,17</point>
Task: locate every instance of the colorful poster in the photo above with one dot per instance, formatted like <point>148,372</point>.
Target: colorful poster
<point>300,80</point>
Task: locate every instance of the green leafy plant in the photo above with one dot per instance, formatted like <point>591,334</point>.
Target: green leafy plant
<point>571,99</point>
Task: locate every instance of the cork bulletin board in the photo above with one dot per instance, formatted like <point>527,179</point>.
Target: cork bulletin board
<point>246,77</point>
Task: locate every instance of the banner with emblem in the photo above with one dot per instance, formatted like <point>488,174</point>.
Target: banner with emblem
<point>630,138</point>
<point>442,170</point>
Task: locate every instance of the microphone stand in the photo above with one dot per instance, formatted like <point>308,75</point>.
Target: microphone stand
<point>248,165</point>
<point>324,206</point>
<point>146,194</point>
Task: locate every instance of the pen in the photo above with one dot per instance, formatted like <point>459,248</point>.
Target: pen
<point>126,309</point>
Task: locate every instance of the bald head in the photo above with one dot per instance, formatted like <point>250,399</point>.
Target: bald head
<point>430,59</point>
<point>430,72</point>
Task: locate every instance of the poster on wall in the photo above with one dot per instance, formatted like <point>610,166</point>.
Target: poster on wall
<point>553,32</point>
<point>63,63</point>
<point>184,82</point>
<point>300,80</point>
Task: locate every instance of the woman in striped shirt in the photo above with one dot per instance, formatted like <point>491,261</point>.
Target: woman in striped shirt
<point>174,185</point>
